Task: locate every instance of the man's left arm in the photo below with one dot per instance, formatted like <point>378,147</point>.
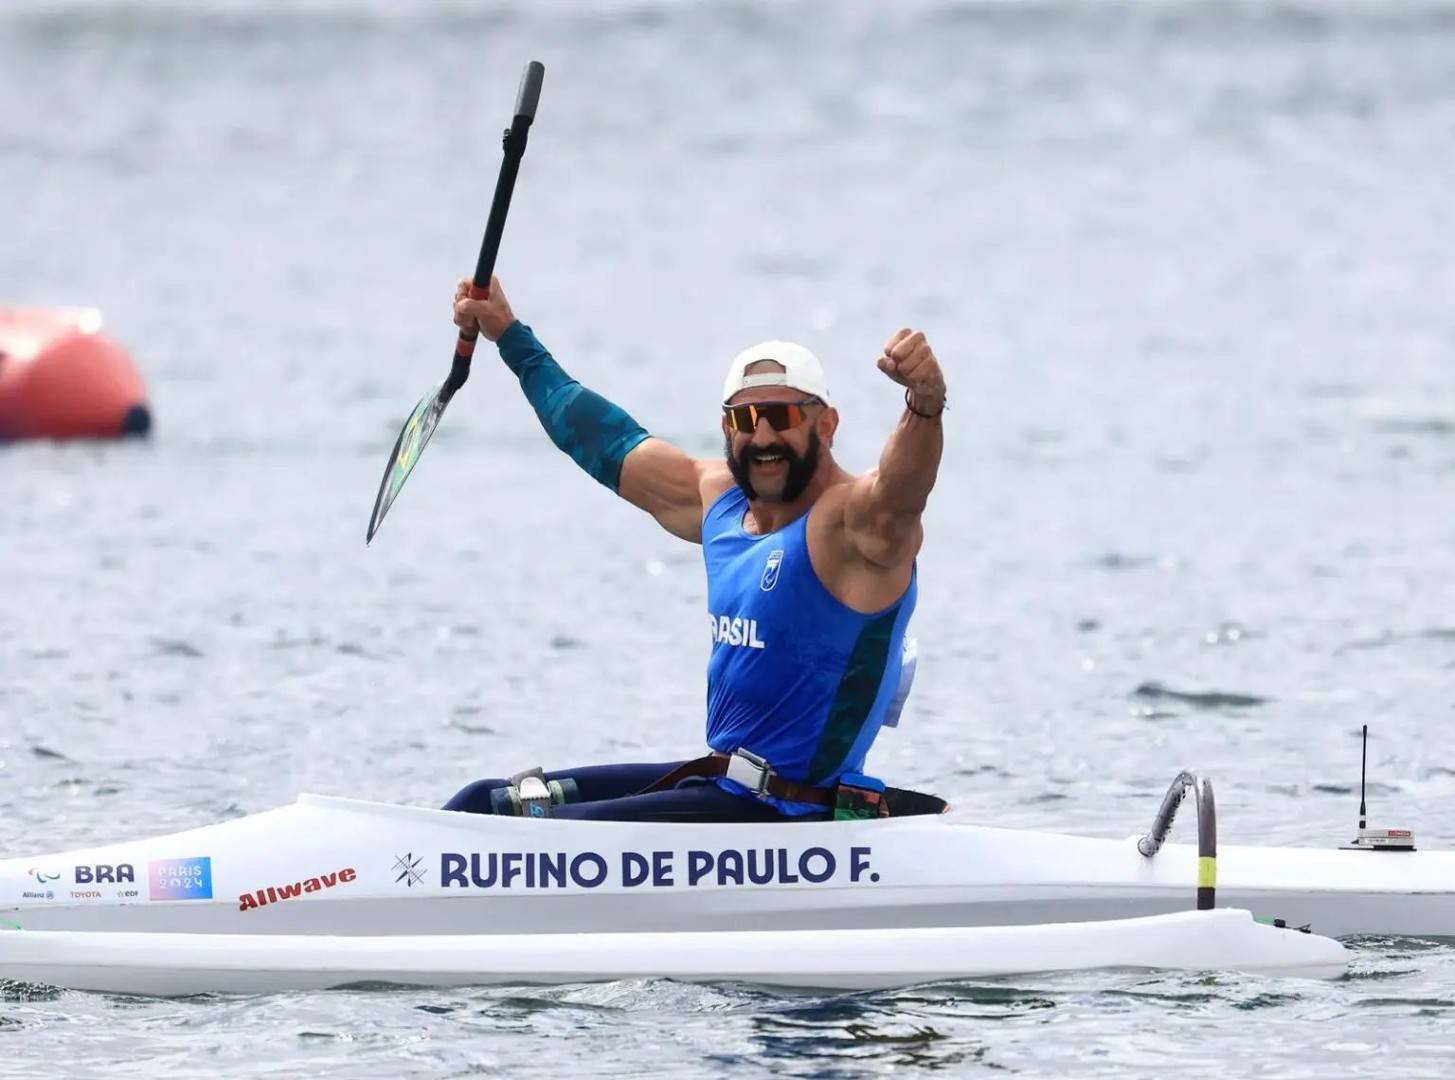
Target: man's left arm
<point>882,512</point>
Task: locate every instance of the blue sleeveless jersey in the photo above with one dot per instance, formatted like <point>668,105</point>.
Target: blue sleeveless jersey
<point>795,676</point>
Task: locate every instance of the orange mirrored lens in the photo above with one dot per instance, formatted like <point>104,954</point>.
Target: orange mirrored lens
<point>781,415</point>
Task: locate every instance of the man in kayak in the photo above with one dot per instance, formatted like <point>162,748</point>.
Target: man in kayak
<point>810,574</point>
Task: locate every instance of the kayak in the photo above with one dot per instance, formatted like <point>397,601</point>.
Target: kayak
<point>61,378</point>
<point>330,892</point>
<point>178,964</point>
<point>336,866</point>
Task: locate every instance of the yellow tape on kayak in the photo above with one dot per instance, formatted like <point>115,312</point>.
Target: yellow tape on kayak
<point>1207,872</point>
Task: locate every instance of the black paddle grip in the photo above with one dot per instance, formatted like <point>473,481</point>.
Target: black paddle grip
<point>530,91</point>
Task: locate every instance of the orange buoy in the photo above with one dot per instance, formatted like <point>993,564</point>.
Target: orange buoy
<point>60,378</point>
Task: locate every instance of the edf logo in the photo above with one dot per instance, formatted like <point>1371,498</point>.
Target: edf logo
<point>101,874</point>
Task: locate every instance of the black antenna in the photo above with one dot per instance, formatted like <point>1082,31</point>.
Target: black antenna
<point>1363,770</point>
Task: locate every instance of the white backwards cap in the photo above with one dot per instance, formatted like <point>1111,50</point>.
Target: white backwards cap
<point>801,370</point>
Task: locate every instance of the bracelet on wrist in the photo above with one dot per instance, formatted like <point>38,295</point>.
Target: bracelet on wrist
<point>908,404</point>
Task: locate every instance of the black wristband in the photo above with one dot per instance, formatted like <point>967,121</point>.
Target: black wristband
<point>944,404</point>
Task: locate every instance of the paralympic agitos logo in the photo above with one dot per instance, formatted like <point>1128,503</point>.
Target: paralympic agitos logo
<point>274,894</point>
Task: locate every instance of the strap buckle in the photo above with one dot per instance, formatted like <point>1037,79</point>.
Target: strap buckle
<point>535,797</point>
<point>750,770</point>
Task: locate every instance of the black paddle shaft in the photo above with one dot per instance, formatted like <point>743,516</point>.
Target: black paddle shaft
<point>514,142</point>
<point>420,426</point>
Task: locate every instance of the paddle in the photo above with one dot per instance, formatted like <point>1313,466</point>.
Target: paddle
<point>426,415</point>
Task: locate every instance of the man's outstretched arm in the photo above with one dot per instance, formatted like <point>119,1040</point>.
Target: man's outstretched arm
<point>597,434</point>
<point>600,436</point>
<point>883,509</point>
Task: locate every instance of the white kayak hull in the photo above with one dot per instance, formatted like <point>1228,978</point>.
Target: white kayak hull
<point>327,866</point>
<point>179,964</point>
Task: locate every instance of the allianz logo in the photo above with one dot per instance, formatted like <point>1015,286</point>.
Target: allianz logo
<point>735,630</point>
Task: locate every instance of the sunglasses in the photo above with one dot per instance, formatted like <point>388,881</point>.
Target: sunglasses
<point>781,415</point>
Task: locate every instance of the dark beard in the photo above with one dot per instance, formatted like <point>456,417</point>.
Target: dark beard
<point>800,469</point>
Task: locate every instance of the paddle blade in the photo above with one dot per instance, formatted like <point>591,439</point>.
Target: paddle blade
<point>407,448</point>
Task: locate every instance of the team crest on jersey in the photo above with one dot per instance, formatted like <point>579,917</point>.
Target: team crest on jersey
<point>770,572</point>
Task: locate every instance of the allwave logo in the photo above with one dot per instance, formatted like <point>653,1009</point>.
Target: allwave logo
<point>734,631</point>
<point>275,894</point>
<point>770,572</point>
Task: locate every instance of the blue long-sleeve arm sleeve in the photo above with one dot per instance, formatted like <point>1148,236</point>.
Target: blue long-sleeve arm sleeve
<point>596,434</point>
